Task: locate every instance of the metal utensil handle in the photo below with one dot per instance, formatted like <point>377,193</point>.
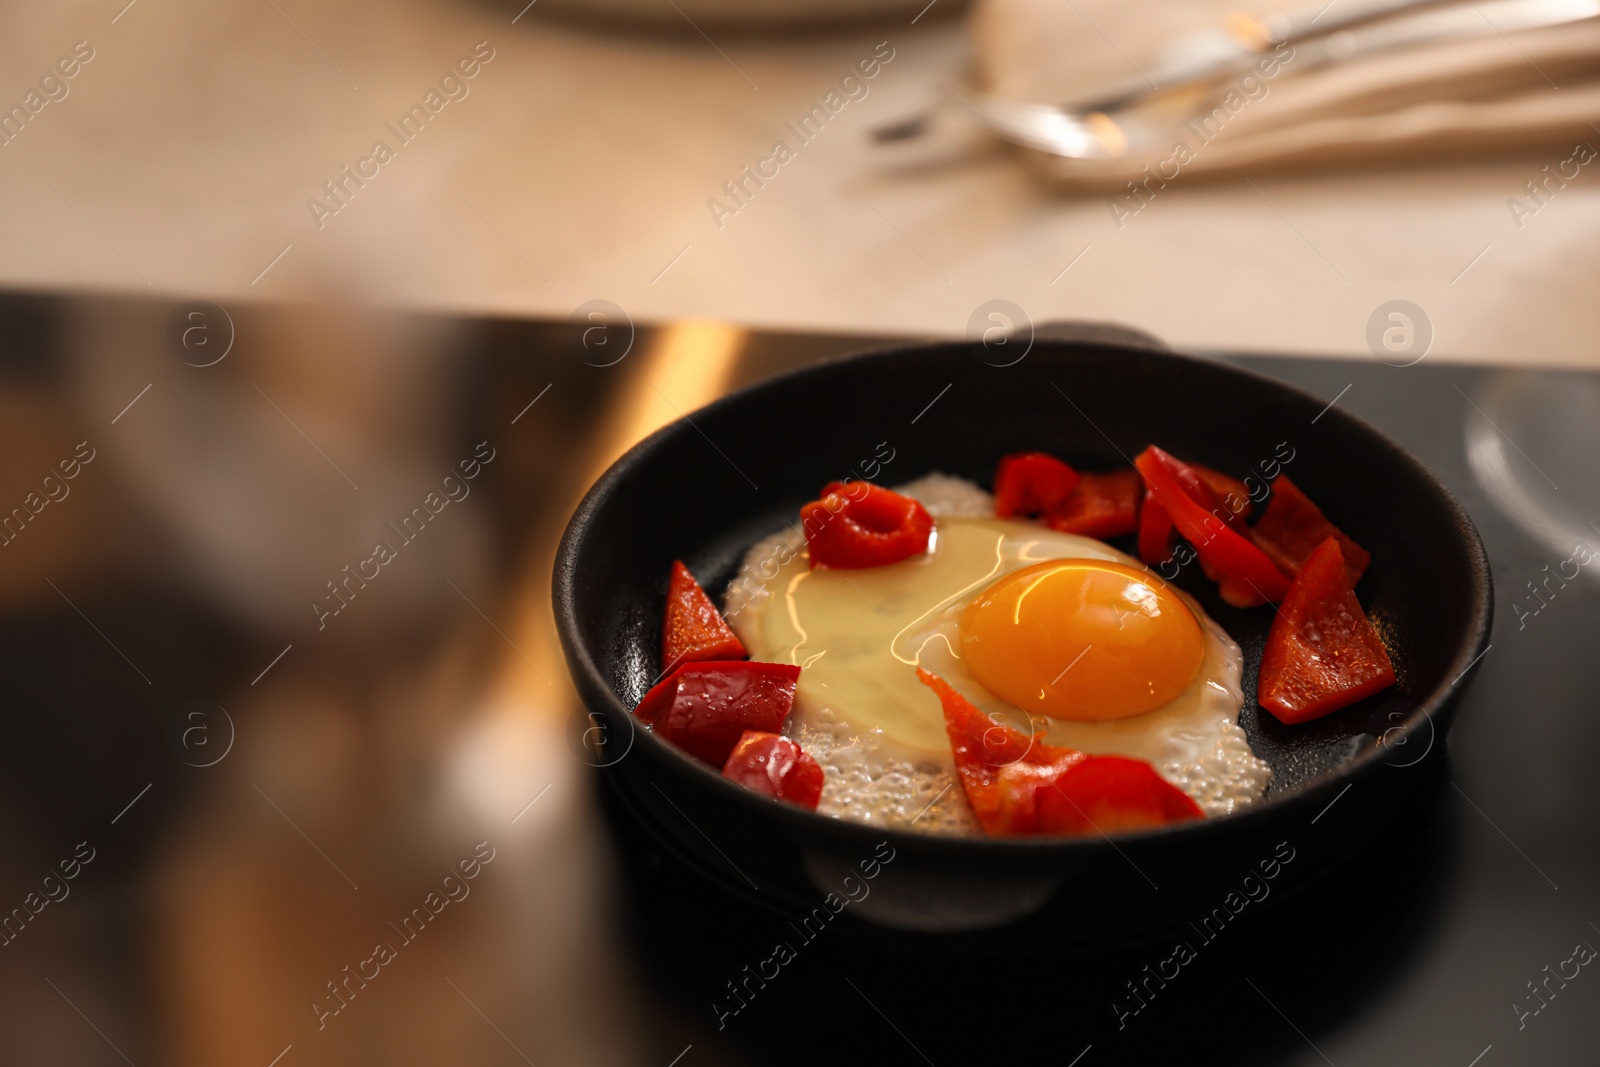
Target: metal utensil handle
<point>1306,24</point>
<point>1293,28</point>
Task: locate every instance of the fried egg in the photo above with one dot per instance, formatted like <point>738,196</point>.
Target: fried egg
<point>1042,631</point>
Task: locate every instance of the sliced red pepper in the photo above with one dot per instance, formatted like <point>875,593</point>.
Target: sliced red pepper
<point>1106,793</point>
<point>1238,592</point>
<point>693,628</point>
<point>1232,590</point>
<point>1200,485</point>
<point>1030,482</point>
<point>871,528</point>
<point>704,708</point>
<point>1229,491</point>
<point>1017,784</point>
<point>1155,531</point>
<point>1209,488</point>
<point>1103,505</point>
<point>1001,769</point>
<point>1240,566</point>
<point>1219,495</point>
<point>1292,527</point>
<point>1322,653</point>
<point>774,765</point>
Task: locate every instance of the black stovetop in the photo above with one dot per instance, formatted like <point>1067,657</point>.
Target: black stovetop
<point>1442,942</point>
<point>1418,951</point>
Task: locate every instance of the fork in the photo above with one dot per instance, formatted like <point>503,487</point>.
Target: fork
<point>1113,121</point>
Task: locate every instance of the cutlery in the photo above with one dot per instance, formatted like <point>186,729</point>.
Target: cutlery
<point>1198,69</point>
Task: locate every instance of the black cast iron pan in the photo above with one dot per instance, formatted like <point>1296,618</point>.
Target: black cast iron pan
<point>704,488</point>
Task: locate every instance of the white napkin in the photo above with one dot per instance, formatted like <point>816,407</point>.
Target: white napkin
<point>1520,89</point>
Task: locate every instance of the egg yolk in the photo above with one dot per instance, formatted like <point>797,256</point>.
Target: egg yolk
<point>1082,639</point>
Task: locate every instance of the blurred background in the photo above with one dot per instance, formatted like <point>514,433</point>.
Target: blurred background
<point>599,150</point>
<point>284,283</point>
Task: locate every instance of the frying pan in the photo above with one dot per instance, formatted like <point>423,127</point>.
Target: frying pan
<point>704,488</point>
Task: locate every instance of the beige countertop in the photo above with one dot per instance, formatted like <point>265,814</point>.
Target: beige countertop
<point>579,162</point>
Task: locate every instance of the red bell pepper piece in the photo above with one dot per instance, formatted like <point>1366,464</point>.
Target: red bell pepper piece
<point>774,765</point>
<point>693,628</point>
<point>704,708</point>
<point>1106,793</point>
<point>1155,531</point>
<point>1103,505</point>
<point>1232,590</point>
<point>1235,591</point>
<point>1198,483</point>
<point>1027,483</point>
<point>1210,489</point>
<point>1322,652</point>
<point>1292,527</point>
<point>1242,568</point>
<point>850,529</point>
<point>1218,494</point>
<point>1017,784</point>
<point>1230,492</point>
<point>1001,770</point>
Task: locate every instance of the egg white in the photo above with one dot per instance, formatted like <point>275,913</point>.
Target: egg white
<point>879,733</point>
